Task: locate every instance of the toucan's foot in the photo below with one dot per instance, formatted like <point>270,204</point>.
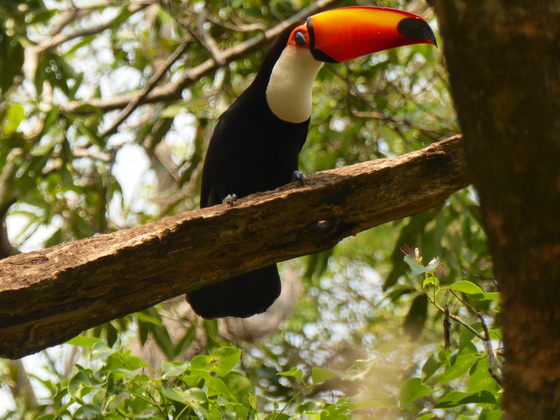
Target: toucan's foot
<point>230,200</point>
<point>299,176</point>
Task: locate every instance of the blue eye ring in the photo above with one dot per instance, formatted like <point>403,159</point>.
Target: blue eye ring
<point>300,40</point>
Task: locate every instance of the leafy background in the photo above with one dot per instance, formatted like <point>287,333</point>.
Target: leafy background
<point>358,331</point>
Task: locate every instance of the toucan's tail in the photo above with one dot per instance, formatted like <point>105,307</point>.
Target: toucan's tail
<point>243,296</point>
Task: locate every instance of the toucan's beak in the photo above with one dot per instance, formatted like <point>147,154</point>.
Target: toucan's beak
<point>343,34</point>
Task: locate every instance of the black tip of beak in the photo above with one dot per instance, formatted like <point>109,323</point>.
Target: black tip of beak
<point>416,28</point>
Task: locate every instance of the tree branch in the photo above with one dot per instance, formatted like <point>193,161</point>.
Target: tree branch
<point>495,366</point>
<point>132,105</point>
<point>49,296</point>
<point>172,90</point>
<point>58,38</point>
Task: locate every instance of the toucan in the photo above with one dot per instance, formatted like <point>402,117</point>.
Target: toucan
<point>256,142</point>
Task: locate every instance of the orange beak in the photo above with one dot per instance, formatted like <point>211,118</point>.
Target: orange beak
<point>343,34</point>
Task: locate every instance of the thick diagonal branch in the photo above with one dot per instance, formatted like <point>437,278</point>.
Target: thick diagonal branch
<point>48,296</point>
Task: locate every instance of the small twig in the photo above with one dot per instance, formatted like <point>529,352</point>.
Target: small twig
<point>66,17</point>
<point>237,26</point>
<point>465,324</point>
<point>98,6</point>
<point>200,35</point>
<point>455,318</point>
<point>92,154</point>
<point>205,39</point>
<point>21,387</point>
<point>58,38</point>
<point>447,328</point>
<point>133,104</point>
<point>379,115</point>
<point>494,364</point>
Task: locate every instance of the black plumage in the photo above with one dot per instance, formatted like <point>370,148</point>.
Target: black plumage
<point>251,150</point>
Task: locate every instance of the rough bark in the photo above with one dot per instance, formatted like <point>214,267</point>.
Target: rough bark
<point>48,296</point>
<point>503,58</point>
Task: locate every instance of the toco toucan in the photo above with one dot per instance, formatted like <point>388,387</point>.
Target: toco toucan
<point>256,142</point>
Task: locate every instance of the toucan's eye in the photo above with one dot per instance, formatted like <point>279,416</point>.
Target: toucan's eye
<point>299,37</point>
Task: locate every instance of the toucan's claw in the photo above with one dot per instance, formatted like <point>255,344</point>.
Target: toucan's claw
<point>299,176</point>
<point>230,200</point>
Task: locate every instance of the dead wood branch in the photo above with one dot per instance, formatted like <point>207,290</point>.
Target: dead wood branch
<point>49,296</point>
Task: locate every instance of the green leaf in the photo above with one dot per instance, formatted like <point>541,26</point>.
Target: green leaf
<point>456,398</point>
<point>431,365</point>
<point>308,407</point>
<point>170,369</point>
<point>480,379</point>
<point>414,266</point>
<point>163,340</point>
<point>192,397</point>
<point>466,339</point>
<point>120,360</point>
<point>90,133</point>
<point>47,144</point>
<point>319,375</point>
<point>426,417</point>
<point>431,280</point>
<point>88,411</point>
<point>81,383</point>
<point>413,389</point>
<point>419,268</point>
<point>496,334</point>
<point>185,342</point>
<point>240,386</point>
<point>11,59</point>
<point>461,365</point>
<point>14,116</point>
<point>486,414</point>
<point>51,118</point>
<point>173,110</point>
<point>211,331</point>
<point>294,372</point>
<point>220,361</point>
<point>100,350</point>
<point>281,416</point>
<point>82,341</point>
<point>214,384</point>
<point>465,286</point>
<point>83,41</point>
<point>148,316</point>
<point>338,411</point>
<point>495,296</point>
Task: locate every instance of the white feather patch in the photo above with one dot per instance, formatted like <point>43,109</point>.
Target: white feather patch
<point>291,83</point>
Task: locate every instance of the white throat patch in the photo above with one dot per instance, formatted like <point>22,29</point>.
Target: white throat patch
<point>288,93</point>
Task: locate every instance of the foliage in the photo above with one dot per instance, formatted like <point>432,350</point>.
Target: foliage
<point>364,338</point>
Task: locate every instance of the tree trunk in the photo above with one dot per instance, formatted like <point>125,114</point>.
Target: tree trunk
<point>503,58</point>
